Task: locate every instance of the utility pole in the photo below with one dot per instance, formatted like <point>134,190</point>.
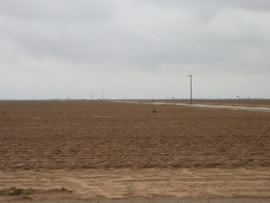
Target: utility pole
<point>190,76</point>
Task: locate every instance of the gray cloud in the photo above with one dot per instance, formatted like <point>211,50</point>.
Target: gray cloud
<point>260,5</point>
<point>57,10</point>
<point>119,36</point>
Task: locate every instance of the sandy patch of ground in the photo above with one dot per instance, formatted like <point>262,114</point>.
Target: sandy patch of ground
<point>140,183</point>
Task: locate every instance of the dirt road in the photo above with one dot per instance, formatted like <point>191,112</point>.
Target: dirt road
<point>140,183</point>
<point>209,106</point>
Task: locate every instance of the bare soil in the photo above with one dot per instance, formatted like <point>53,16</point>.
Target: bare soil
<point>139,183</point>
<point>83,134</point>
<point>114,150</point>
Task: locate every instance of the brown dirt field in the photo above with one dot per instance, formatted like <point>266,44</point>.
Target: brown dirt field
<point>83,134</point>
<point>97,150</point>
<point>228,102</point>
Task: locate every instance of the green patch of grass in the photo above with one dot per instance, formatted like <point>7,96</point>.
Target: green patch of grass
<point>154,111</point>
<point>24,195</point>
<point>13,191</point>
<point>130,191</point>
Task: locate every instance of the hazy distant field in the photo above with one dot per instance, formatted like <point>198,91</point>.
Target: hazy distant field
<point>230,102</point>
<point>85,135</point>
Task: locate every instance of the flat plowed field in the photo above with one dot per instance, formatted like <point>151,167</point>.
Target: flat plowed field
<point>84,134</point>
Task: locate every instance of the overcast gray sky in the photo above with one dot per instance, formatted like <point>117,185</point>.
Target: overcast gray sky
<point>134,48</point>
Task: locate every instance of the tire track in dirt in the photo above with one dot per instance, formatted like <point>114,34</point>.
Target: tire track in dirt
<point>143,183</point>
